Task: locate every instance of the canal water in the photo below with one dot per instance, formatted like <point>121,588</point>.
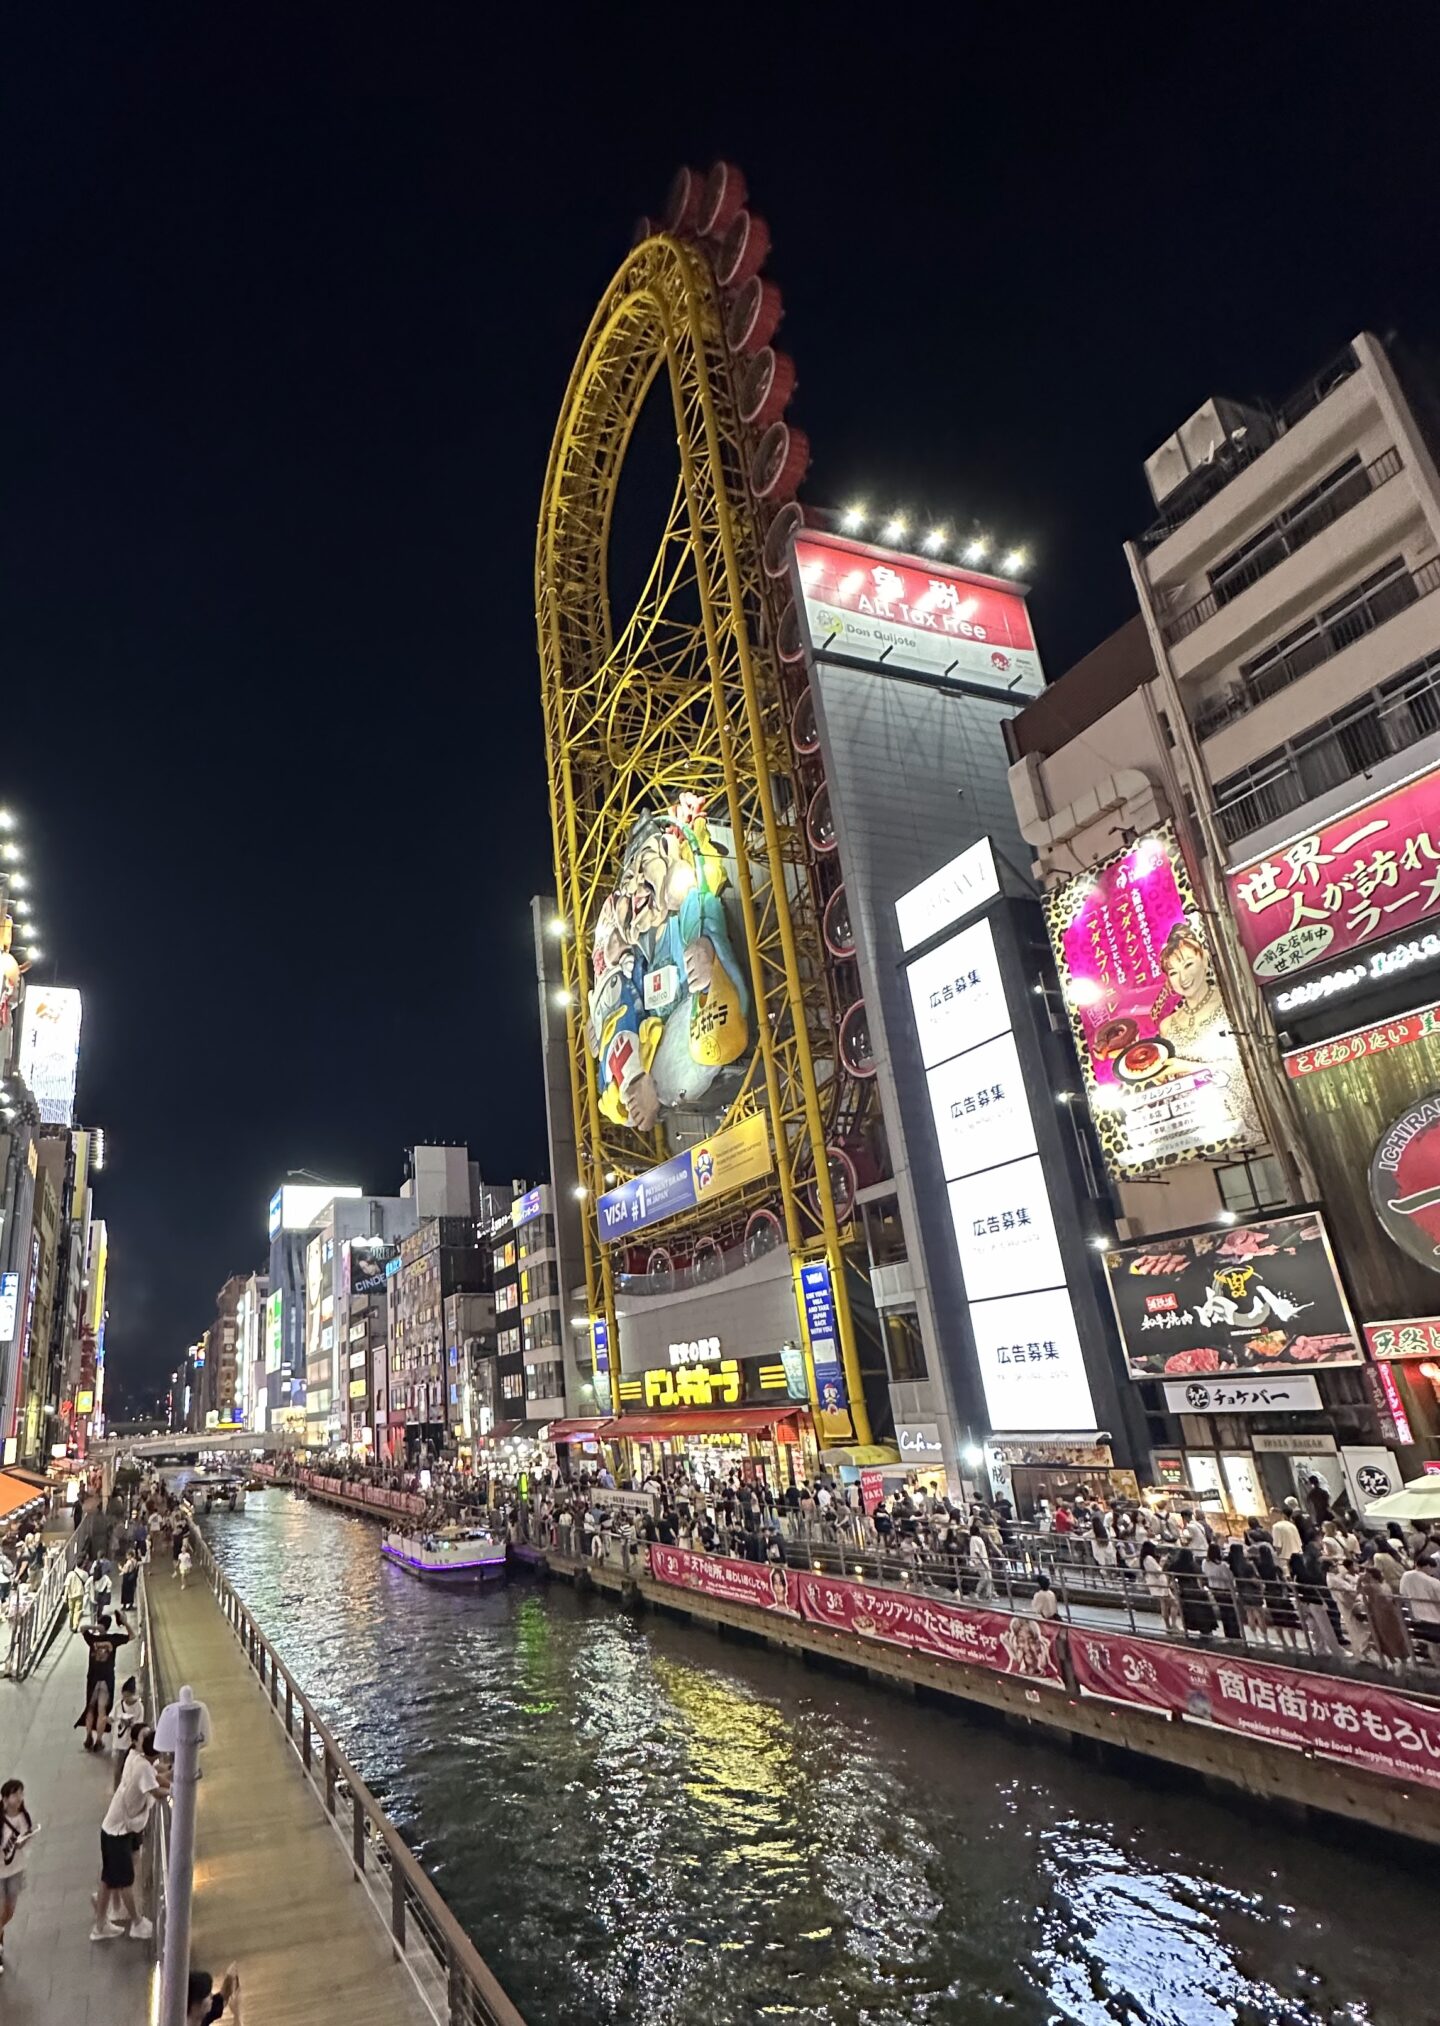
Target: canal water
<point>638,1822</point>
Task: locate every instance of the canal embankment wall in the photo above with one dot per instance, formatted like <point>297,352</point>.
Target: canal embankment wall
<point>1048,1702</point>
<point>1277,1775</point>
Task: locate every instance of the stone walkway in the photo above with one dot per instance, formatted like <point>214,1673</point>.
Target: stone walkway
<point>54,1975</point>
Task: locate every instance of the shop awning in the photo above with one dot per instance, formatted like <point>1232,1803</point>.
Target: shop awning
<point>574,1431</point>
<point>698,1421</point>
<point>16,1493</point>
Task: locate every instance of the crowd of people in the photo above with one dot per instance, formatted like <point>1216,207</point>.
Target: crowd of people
<point>1305,1578</point>
<point>113,1547</point>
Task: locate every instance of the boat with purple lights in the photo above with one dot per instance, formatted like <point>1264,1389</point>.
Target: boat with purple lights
<point>447,1554</point>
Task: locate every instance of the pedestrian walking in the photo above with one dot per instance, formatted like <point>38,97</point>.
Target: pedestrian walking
<point>1313,1595</point>
<point>121,1832</point>
<point>75,1587</point>
<point>129,1711</point>
<point>183,1562</point>
<point>17,1830</point>
<point>1343,1582</point>
<point>980,1563</point>
<point>129,1583</point>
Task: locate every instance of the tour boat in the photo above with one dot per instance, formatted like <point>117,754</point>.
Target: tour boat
<point>449,1555</point>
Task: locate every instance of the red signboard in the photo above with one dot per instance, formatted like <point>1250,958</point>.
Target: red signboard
<point>1321,1713</point>
<point>1364,1041</point>
<point>1006,1643</point>
<point>1372,872</point>
<point>873,605</point>
<point>1415,1337</point>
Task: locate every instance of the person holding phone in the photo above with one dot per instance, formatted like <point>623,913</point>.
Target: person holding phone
<point>204,2004</point>
<point>17,1830</point>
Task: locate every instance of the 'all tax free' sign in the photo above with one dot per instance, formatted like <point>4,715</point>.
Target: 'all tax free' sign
<point>1375,871</point>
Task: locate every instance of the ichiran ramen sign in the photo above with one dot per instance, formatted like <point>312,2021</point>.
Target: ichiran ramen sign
<point>1405,1181</point>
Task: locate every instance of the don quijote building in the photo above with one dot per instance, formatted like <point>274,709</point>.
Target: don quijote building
<point>1233,805</point>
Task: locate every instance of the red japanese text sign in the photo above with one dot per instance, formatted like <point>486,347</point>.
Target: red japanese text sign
<point>1372,872</point>
<point>1005,1643</point>
<point>1325,1714</point>
<point>1414,1337</point>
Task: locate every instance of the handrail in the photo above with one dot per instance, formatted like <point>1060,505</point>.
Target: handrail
<point>30,1631</point>
<point>1009,1582</point>
<point>155,1696</point>
<point>454,1981</point>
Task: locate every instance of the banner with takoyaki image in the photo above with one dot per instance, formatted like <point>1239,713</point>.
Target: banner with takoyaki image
<point>1253,1298</point>
<point>1156,1043</point>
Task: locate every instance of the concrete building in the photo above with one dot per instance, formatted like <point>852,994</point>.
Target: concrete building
<point>1282,677</point>
<point>441,1257</point>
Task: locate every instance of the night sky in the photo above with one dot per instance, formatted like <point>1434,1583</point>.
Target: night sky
<point>290,299</point>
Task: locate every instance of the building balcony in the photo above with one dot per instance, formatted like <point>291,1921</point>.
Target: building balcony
<point>1290,532</point>
<point>1345,747</point>
<point>1332,631</point>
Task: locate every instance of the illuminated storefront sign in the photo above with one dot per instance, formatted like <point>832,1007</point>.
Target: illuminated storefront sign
<point>868,604</point>
<point>1389,1407</point>
<point>9,1303</point>
<point>705,1350</point>
<point>739,1154</point>
<point>694,1385</point>
<point>1260,1395</point>
<point>947,896</point>
<point>1361,876</point>
<point>1255,1298</point>
<point>274,1331</point>
<point>1391,962</point>
<point>85,1400</point>
<point>50,1050</point>
<point>817,1301</point>
<point>919,1441</point>
<point>1154,1036</point>
<point>1405,1180</point>
<point>1414,1337</point>
<point>525,1207</point>
<point>1364,1041</point>
<point>1026,1341</point>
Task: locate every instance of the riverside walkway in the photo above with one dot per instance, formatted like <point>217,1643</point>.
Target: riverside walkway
<point>275,1891</point>
<point>53,1972</point>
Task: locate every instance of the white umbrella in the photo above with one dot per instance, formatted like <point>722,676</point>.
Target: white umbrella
<point>1419,1499</point>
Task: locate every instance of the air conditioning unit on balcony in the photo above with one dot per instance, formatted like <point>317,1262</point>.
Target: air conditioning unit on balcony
<point>1217,436</point>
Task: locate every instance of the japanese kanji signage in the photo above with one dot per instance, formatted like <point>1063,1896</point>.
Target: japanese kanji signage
<point>1373,872</point>
<point>1260,1395</point>
<point>1256,1298</point>
<point>1405,1180</point>
<point>1157,1048</point>
<point>1377,1040</point>
<point>871,605</point>
<point>1415,1337</point>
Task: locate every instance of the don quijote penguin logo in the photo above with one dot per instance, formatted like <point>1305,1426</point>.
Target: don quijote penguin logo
<point>1405,1180</point>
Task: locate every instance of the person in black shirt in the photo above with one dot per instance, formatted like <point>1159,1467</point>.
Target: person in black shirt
<point>104,1643</point>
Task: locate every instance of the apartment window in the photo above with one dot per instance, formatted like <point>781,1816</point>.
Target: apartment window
<point>512,1385</point>
<point>537,1236</point>
<point>507,1297</point>
<point>1249,1187</point>
<point>507,1343</point>
<point>545,1382</point>
<point>904,1348</point>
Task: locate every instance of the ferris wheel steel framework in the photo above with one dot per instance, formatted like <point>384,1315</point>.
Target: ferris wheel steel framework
<point>669,704</point>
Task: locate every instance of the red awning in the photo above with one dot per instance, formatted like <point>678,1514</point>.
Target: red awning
<point>574,1431</point>
<point>698,1421</point>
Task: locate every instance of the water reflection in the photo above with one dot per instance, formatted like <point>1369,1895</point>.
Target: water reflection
<point>640,1824</point>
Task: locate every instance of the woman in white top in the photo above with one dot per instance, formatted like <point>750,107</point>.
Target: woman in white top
<point>16,1831</point>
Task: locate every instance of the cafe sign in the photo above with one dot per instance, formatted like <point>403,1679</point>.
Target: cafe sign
<point>1372,872</point>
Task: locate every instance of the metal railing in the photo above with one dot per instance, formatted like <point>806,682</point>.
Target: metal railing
<point>1319,512</point>
<point>454,1982</point>
<point>155,1693</point>
<point>32,1614</point>
<point>1383,722</point>
<point>1264,1620</point>
<point>1330,634</point>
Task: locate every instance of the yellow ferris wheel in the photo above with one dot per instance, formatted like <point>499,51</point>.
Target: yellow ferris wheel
<point>691,880</point>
